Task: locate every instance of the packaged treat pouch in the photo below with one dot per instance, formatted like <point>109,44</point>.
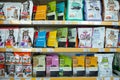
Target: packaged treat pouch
<point>78,65</point>
<point>60,7</point>
<point>10,59</point>
<point>39,66</point>
<point>93,10</point>
<point>51,10</point>
<point>2,70</point>
<point>111,37</point>
<point>91,65</point>
<point>72,37</point>
<point>2,58</point>
<point>65,66</point>
<point>10,71</point>
<point>18,57</point>
<point>62,34</point>
<point>2,38</point>
<point>12,10</point>
<point>11,38</point>
<point>52,65</point>
<point>41,12</point>
<point>40,39</point>
<point>26,37</point>
<point>105,64</point>
<point>26,58</point>
<point>27,71</point>
<point>52,39</point>
<point>18,71</point>
<point>26,10</point>
<point>98,37</point>
<point>74,10</point>
<point>85,37</point>
<point>111,10</point>
<point>2,15</point>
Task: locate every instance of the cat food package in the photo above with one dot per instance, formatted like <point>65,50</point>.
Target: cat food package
<point>26,58</point>
<point>2,15</point>
<point>60,7</point>
<point>18,57</point>
<point>72,37</point>
<point>65,66</point>
<point>2,58</point>
<point>52,39</point>
<point>11,40</point>
<point>2,37</point>
<point>91,65</point>
<point>51,10</point>
<point>26,37</point>
<point>27,71</point>
<point>98,37</point>
<point>93,10</point>
<point>39,66</point>
<point>12,10</point>
<point>111,10</point>
<point>105,64</point>
<point>2,70</point>
<point>78,65</point>
<point>111,37</point>
<point>62,34</point>
<point>18,71</point>
<point>41,12</point>
<point>40,39</point>
<point>10,59</point>
<point>26,10</point>
<point>85,37</point>
<point>74,10</point>
<point>52,65</point>
<point>10,71</point>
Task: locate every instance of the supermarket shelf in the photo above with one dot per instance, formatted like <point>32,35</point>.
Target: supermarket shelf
<point>59,50</point>
<point>49,22</point>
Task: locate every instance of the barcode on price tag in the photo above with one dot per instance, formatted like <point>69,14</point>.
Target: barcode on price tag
<point>86,50</point>
<point>115,23</point>
<point>112,50</point>
<point>9,50</point>
<point>116,78</point>
<point>50,50</point>
<point>107,78</point>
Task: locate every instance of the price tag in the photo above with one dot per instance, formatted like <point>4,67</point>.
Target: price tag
<point>33,79</point>
<point>112,50</point>
<point>46,78</point>
<point>50,50</point>
<point>101,50</point>
<point>26,50</point>
<point>67,22</point>
<point>38,79</point>
<point>115,23</point>
<point>107,78</point>
<point>9,50</point>
<point>97,23</point>
<point>99,78</point>
<point>28,79</point>
<point>86,50</point>
<point>116,78</point>
<point>38,50</point>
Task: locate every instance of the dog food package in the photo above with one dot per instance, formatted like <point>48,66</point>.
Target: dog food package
<point>105,64</point>
<point>72,37</point>
<point>111,10</point>
<point>91,65</point>
<point>93,10</point>
<point>2,58</point>
<point>111,37</point>
<point>74,10</point>
<point>65,66</point>
<point>60,7</point>
<point>10,59</point>
<point>26,58</point>
<point>52,39</point>
<point>18,71</point>
<point>51,10</point>
<point>18,57</point>
<point>2,37</point>
<point>2,15</point>
<point>2,70</point>
<point>98,37</point>
<point>39,66</point>
<point>12,10</point>
<point>26,10</point>
<point>52,65</point>
<point>27,71</point>
<point>11,40</point>
<point>26,37</point>
<point>10,71</point>
<point>85,37</point>
<point>78,65</point>
<point>62,34</point>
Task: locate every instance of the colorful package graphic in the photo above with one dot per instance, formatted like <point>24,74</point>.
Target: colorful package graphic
<point>18,58</point>
<point>10,69</point>
<point>2,58</point>
<point>27,70</point>
<point>2,38</point>
<point>2,70</point>
<point>10,58</point>
<point>18,71</point>
<point>26,58</point>
<point>2,15</point>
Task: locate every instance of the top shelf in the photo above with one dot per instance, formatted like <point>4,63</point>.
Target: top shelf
<point>49,22</point>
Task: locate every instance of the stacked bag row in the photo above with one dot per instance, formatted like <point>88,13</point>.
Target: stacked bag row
<point>90,10</point>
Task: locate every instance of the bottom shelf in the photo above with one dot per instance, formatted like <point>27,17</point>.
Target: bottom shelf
<point>65,78</point>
